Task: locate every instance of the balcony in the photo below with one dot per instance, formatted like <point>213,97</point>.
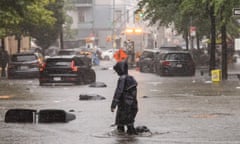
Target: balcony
<point>83,3</point>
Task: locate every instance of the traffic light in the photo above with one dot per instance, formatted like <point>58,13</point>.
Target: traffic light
<point>141,13</point>
<point>138,15</point>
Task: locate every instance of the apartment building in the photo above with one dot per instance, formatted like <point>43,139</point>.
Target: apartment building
<point>103,23</point>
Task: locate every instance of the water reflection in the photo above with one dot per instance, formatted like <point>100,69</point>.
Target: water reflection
<point>127,140</point>
<point>5,97</point>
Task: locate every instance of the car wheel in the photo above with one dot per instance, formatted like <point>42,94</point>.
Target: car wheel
<point>160,73</point>
<point>165,72</point>
<point>80,81</point>
<point>89,77</point>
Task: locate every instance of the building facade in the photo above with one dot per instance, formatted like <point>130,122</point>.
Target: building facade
<point>103,23</point>
<point>11,44</point>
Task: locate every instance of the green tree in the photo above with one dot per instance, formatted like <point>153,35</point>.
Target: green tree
<point>46,35</point>
<point>68,32</point>
<point>16,16</point>
<point>223,8</point>
<point>209,16</point>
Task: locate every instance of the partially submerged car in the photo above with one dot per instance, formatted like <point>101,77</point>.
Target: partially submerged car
<point>67,69</point>
<point>25,65</point>
<point>147,61</point>
<point>176,63</point>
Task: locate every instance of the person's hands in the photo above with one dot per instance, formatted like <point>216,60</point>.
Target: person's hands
<point>112,109</point>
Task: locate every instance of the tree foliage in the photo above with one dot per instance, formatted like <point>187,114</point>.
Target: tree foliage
<point>15,16</point>
<point>46,35</point>
<point>211,17</point>
<point>69,33</point>
<point>41,20</point>
<point>184,13</point>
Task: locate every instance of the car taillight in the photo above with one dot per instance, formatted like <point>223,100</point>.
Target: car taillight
<point>42,67</point>
<point>74,68</point>
<point>166,63</point>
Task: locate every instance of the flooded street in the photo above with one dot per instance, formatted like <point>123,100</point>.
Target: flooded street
<point>119,72</point>
<point>177,110</point>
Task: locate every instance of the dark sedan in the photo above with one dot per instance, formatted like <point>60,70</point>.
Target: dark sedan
<point>67,69</point>
<point>176,63</point>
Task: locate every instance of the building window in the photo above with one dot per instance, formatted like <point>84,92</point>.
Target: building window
<point>118,16</point>
<point>81,16</point>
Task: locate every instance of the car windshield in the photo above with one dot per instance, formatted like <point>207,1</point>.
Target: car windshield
<point>178,56</point>
<point>23,58</point>
<point>63,62</point>
<point>58,62</point>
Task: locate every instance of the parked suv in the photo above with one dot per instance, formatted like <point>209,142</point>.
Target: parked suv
<point>25,65</point>
<point>67,69</point>
<point>175,63</point>
<point>147,62</point>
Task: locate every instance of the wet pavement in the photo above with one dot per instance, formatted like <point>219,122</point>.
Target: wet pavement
<point>177,110</point>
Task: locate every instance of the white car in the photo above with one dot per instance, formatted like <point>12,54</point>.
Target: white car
<point>108,54</point>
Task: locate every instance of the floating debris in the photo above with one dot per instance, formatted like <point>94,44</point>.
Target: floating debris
<point>91,97</point>
<point>98,84</point>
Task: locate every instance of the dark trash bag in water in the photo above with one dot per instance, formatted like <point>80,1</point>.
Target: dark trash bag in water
<point>98,84</point>
<point>54,116</point>
<point>20,116</point>
<point>142,129</point>
<point>91,97</point>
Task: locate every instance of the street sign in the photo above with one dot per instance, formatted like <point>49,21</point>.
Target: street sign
<point>193,31</point>
<point>236,11</point>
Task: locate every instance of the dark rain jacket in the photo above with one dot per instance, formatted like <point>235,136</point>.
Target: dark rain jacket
<point>125,96</point>
<point>4,58</point>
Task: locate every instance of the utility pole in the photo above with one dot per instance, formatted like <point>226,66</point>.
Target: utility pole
<point>113,25</point>
<point>61,41</point>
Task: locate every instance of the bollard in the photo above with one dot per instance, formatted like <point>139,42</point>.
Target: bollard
<point>216,75</point>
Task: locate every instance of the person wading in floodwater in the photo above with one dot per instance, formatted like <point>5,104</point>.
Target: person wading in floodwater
<point>125,99</point>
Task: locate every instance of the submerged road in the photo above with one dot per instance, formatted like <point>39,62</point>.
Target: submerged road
<point>177,110</point>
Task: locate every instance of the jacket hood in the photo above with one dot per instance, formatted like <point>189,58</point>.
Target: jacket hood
<point>121,68</point>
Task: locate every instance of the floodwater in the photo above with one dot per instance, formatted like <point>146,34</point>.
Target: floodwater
<point>177,110</point>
